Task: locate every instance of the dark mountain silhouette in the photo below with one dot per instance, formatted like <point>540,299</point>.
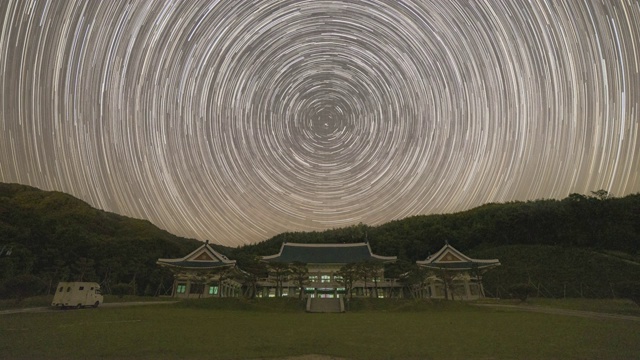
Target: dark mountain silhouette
<point>578,246</point>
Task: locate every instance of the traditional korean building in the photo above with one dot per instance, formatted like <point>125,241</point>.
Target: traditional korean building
<point>323,263</point>
<point>453,275</point>
<point>204,273</point>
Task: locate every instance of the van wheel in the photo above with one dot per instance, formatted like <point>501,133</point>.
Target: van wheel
<point>96,304</point>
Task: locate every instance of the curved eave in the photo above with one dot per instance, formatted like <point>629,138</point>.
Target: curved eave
<point>385,259</point>
<point>195,265</point>
<point>471,261</point>
<point>458,265</point>
<point>359,252</point>
<point>376,258</point>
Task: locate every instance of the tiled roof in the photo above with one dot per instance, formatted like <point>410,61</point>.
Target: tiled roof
<point>466,265</point>
<point>204,257</point>
<point>326,254</point>
<point>451,258</point>
<point>194,264</point>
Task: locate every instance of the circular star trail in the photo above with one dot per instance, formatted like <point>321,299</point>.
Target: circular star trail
<point>234,121</point>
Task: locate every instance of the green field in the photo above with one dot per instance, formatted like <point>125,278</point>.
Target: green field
<point>241,330</point>
<point>45,300</point>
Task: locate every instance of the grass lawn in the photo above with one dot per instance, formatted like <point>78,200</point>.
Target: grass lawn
<point>610,306</point>
<point>218,330</point>
<point>45,300</point>
<point>606,306</point>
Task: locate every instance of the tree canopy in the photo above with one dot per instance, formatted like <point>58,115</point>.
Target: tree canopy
<point>54,236</point>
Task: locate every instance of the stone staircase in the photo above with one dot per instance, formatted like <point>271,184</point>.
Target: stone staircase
<point>321,305</point>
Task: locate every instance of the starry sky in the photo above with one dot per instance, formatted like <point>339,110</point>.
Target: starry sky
<point>234,121</point>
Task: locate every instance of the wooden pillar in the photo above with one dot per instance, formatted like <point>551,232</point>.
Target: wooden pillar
<point>467,291</point>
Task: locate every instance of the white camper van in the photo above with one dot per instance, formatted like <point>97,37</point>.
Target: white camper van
<point>77,294</point>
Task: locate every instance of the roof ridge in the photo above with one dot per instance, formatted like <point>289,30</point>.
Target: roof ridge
<point>325,244</point>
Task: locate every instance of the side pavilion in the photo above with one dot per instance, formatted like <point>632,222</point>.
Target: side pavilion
<point>204,273</point>
<point>323,262</point>
<point>453,275</point>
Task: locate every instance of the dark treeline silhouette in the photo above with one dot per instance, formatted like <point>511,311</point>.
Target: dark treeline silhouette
<point>578,246</point>
<point>55,237</point>
<point>602,223</point>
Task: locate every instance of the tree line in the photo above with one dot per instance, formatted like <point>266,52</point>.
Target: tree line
<point>52,236</point>
<point>599,221</point>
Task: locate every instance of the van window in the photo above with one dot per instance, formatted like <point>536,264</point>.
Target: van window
<point>81,288</point>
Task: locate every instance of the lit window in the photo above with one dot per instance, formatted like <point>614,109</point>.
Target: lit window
<point>181,288</point>
<point>338,278</point>
<point>326,278</point>
<point>313,278</point>
<point>213,290</point>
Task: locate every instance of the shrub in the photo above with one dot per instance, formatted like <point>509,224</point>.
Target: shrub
<point>521,291</point>
<point>22,286</point>
<point>629,290</point>
<point>121,289</point>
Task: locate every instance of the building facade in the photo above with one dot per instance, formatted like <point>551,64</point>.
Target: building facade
<point>452,275</point>
<point>204,273</point>
<point>324,279</point>
<point>328,271</point>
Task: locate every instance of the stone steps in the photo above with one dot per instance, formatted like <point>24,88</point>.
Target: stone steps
<point>322,305</point>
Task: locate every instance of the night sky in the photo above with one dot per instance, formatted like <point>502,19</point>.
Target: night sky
<point>234,121</point>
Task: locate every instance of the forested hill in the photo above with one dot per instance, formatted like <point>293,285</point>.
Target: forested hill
<point>581,246</point>
<point>56,236</point>
<point>597,222</point>
<point>575,243</point>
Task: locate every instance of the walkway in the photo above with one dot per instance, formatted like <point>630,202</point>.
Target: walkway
<point>107,305</point>
<point>556,311</point>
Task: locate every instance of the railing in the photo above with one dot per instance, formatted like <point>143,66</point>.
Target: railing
<point>386,282</point>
